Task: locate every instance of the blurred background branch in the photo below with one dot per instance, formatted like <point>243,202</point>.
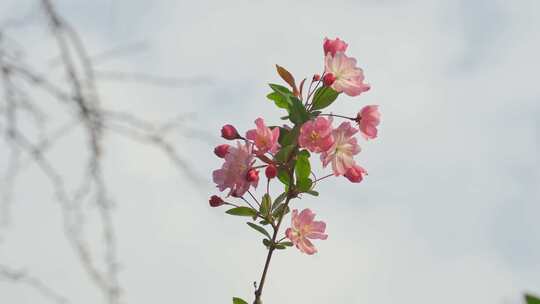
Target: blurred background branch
<point>77,93</point>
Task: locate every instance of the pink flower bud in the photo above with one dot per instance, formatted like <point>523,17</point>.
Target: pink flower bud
<point>355,174</point>
<point>229,132</point>
<point>252,176</point>
<point>215,201</point>
<point>316,77</point>
<point>271,171</point>
<point>221,150</point>
<point>334,46</point>
<point>328,79</point>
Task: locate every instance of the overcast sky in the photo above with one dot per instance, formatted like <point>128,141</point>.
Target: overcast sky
<point>448,213</point>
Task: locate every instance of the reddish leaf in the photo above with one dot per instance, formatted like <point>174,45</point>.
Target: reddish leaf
<point>302,87</point>
<point>288,77</point>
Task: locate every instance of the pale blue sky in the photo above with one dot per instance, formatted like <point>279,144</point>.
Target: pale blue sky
<point>448,214</point>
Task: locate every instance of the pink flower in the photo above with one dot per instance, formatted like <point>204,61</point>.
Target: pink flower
<point>355,174</point>
<point>368,119</point>
<point>334,46</point>
<point>303,227</point>
<point>233,173</point>
<point>349,78</point>
<point>264,138</point>
<point>316,135</point>
<point>342,151</point>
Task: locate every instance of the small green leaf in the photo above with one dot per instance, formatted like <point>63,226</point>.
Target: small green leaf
<point>279,246</point>
<point>312,192</point>
<point>302,169</point>
<point>264,222</point>
<point>278,200</point>
<point>531,299</point>
<point>324,96</point>
<point>280,89</point>
<point>298,113</point>
<point>288,244</point>
<point>283,176</point>
<point>284,153</point>
<point>266,204</point>
<point>288,137</point>
<point>259,229</point>
<point>267,243</point>
<point>304,185</point>
<point>280,100</point>
<point>281,211</point>
<point>238,301</point>
<point>242,211</point>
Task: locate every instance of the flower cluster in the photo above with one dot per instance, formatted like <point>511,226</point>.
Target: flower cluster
<point>284,152</point>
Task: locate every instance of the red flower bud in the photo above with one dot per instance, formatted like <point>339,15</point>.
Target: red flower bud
<point>328,79</point>
<point>221,150</point>
<point>271,171</point>
<point>316,77</point>
<point>229,132</point>
<point>252,176</point>
<point>215,201</point>
<point>355,174</point>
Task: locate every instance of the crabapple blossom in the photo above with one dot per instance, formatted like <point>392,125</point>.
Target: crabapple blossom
<point>368,119</point>
<point>333,46</point>
<point>286,152</point>
<point>303,227</point>
<point>348,77</point>
<point>232,174</point>
<point>342,151</point>
<point>316,135</point>
<point>266,140</point>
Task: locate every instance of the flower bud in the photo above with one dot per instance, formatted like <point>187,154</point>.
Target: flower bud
<point>221,150</point>
<point>355,174</point>
<point>215,201</point>
<point>229,132</point>
<point>328,79</point>
<point>252,176</point>
<point>271,171</point>
<point>333,46</point>
<point>316,77</point>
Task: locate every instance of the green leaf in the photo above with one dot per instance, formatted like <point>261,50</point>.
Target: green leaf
<point>280,89</point>
<point>266,204</point>
<point>279,246</point>
<point>281,211</point>
<point>302,169</point>
<point>278,200</point>
<point>324,96</point>
<point>288,244</point>
<point>280,100</point>
<point>238,301</point>
<point>267,243</point>
<point>531,299</point>
<point>283,176</point>
<point>284,153</point>
<point>304,153</point>
<point>312,192</point>
<point>242,211</point>
<point>259,229</point>
<point>304,185</point>
<point>298,113</point>
<point>288,137</point>
<point>264,222</point>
